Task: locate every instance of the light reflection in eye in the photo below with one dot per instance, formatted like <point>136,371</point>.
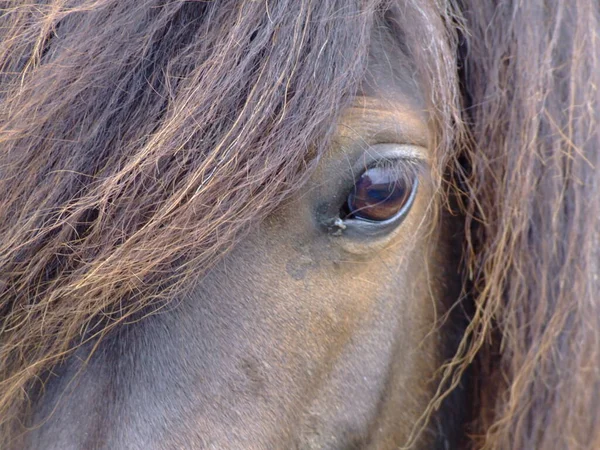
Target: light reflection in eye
<point>381,193</point>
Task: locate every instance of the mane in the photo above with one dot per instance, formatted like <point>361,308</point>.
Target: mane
<point>531,78</point>
<point>139,144</point>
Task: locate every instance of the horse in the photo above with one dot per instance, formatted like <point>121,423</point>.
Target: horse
<point>277,224</point>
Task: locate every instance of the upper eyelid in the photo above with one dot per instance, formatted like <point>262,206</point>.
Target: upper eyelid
<point>413,165</point>
<point>391,150</point>
<point>396,160</point>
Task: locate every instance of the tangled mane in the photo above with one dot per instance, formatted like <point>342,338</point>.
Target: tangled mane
<point>531,80</point>
<point>139,143</point>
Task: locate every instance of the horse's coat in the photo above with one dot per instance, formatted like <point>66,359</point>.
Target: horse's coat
<point>176,266</point>
<point>303,345</point>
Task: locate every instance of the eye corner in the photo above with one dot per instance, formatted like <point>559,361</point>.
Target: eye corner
<point>336,226</point>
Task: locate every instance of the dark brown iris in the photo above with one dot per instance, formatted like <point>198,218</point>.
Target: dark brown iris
<point>379,194</point>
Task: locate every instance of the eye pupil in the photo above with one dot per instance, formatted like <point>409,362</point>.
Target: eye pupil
<point>379,194</point>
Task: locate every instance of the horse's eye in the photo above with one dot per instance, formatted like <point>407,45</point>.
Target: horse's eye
<point>381,194</point>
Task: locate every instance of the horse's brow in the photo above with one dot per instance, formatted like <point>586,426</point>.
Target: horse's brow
<point>393,121</point>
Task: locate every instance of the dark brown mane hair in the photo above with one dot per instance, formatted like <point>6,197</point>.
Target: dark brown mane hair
<point>140,141</point>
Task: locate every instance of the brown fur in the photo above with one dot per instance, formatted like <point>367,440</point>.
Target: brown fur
<point>139,143</point>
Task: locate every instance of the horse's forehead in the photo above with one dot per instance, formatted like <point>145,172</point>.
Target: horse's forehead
<point>391,73</point>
